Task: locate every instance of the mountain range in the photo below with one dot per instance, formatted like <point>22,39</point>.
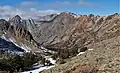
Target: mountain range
<point>58,31</point>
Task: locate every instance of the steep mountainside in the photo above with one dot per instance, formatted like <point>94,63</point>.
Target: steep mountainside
<point>67,30</point>
<point>61,31</point>
<point>14,32</point>
<point>17,34</point>
<point>103,57</point>
<point>9,46</point>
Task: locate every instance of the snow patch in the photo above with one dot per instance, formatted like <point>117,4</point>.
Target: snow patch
<point>74,15</point>
<point>84,52</point>
<point>13,41</point>
<point>80,53</point>
<point>39,69</point>
<point>46,50</point>
<point>90,49</point>
<point>50,59</point>
<point>24,47</point>
<point>3,37</point>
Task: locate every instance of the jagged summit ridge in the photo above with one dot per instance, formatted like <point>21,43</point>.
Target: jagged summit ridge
<point>58,30</point>
<point>16,21</point>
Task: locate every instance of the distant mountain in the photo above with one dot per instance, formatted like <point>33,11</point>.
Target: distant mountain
<point>60,31</point>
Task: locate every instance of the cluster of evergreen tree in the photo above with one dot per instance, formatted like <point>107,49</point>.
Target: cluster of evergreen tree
<point>14,63</point>
<point>65,53</point>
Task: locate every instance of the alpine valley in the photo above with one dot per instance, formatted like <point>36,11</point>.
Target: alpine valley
<point>62,43</point>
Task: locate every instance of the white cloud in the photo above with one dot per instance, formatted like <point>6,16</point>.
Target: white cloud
<point>85,3</point>
<point>10,11</point>
<point>27,12</point>
<point>69,3</point>
<point>28,3</point>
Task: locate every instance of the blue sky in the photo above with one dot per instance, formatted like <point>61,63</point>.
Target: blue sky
<point>97,7</point>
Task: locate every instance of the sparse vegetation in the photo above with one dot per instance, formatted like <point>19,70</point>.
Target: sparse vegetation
<point>85,69</point>
<point>61,61</point>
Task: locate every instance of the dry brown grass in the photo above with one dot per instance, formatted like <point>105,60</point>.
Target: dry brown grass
<point>85,69</point>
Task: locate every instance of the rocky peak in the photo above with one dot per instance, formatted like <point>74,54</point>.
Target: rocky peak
<point>16,21</point>
<point>70,14</point>
<point>17,17</point>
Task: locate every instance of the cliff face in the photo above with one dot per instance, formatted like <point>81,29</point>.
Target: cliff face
<point>67,30</point>
<point>17,35</point>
